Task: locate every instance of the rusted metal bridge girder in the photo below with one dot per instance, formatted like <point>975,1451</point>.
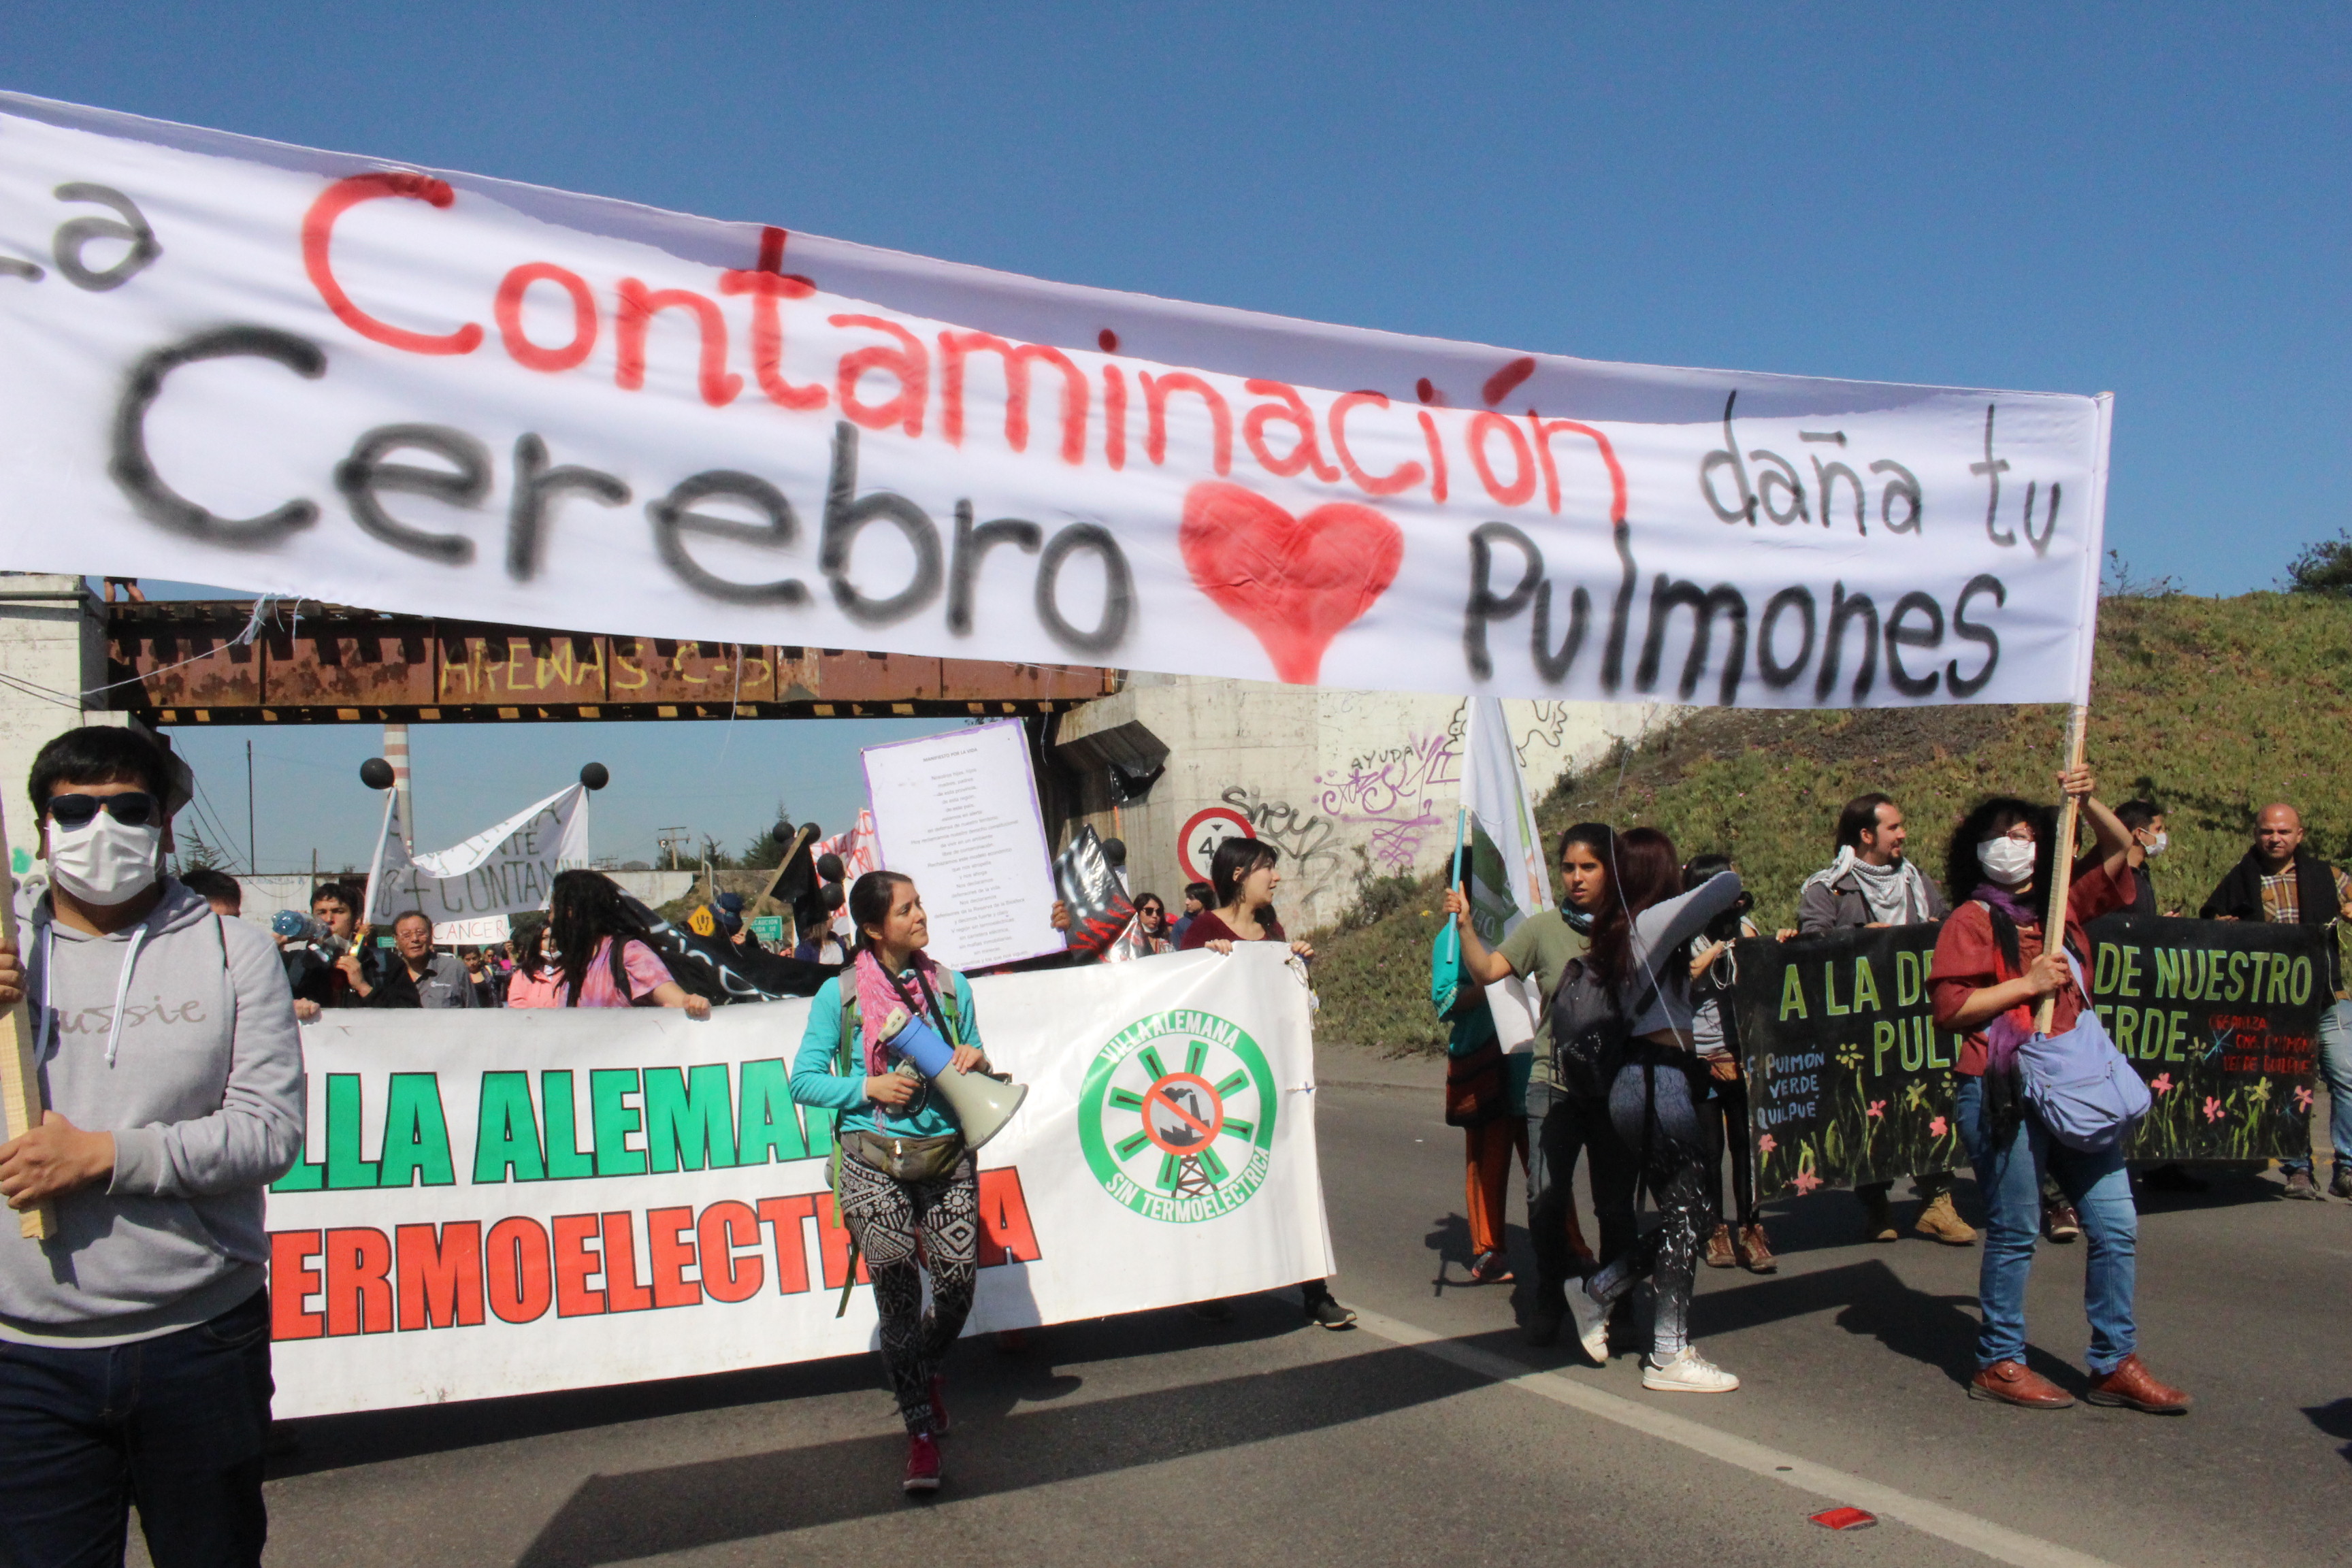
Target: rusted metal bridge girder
<point>337,664</point>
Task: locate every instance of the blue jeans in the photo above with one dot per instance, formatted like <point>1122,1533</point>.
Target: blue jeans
<point>173,1424</point>
<point>2009,1178</point>
<point>2335,1066</point>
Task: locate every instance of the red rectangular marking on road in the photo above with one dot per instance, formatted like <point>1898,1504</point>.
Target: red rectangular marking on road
<point>1844,1519</point>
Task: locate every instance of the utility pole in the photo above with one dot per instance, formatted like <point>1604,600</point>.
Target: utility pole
<point>252,850</point>
<point>670,838</point>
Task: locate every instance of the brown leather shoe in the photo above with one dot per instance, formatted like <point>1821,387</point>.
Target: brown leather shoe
<point>2012,1382</point>
<point>1718,1247</point>
<point>1754,1252</point>
<point>2130,1384</point>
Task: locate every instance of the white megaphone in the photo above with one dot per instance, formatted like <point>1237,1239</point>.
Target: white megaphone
<point>982,1105</point>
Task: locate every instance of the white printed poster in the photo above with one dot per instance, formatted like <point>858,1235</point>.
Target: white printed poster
<point>514,1201</point>
<point>959,813</point>
<point>341,376</point>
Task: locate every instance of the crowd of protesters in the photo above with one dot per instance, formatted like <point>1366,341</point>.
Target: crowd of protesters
<point>1637,1072</point>
<point>1647,950</point>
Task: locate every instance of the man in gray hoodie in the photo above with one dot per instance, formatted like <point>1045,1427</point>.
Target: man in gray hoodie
<point>134,1344</point>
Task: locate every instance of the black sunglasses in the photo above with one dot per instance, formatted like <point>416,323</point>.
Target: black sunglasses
<point>133,808</point>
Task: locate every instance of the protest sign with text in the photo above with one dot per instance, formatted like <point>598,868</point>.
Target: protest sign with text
<point>514,1187</point>
<point>504,869</point>
<point>237,362</point>
<point>1850,1082</point>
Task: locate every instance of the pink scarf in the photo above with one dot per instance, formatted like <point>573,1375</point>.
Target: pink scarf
<point>882,1005</point>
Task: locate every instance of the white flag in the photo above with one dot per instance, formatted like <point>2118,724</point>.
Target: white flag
<point>501,871</point>
<point>1508,880</point>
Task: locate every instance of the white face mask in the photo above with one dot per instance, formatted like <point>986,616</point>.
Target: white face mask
<point>2006,861</point>
<point>2157,845</point>
<point>105,862</point>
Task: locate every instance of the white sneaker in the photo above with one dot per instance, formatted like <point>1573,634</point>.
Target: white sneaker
<point>1686,1372</point>
<point>1591,1322</point>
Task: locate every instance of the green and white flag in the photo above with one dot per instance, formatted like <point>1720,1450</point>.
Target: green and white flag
<point>1508,880</point>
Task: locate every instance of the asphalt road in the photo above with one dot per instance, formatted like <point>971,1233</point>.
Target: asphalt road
<point>1432,1435</point>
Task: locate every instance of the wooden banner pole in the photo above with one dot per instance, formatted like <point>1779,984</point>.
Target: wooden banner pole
<point>2062,875</point>
<point>20,1073</point>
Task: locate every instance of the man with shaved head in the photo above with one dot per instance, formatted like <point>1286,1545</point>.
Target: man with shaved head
<point>2281,880</point>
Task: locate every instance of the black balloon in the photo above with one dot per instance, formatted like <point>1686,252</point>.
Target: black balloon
<point>595,775</point>
<point>1115,851</point>
<point>376,773</point>
<point>830,867</point>
<point>833,896</point>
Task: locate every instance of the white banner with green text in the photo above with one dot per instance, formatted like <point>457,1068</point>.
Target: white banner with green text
<point>514,1201</point>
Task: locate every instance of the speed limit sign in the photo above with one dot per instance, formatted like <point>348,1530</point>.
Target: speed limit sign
<point>1196,846</point>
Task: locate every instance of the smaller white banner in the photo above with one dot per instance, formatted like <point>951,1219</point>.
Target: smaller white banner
<point>501,871</point>
<point>490,931</point>
<point>959,813</point>
<point>511,1201</point>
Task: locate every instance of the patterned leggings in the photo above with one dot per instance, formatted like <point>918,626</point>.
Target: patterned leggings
<point>891,1220</point>
<point>1652,1110</point>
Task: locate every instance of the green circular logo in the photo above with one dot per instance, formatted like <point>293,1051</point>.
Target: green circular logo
<point>1177,1117</point>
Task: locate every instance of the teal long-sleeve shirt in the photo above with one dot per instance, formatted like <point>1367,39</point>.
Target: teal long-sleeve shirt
<point>815,1081</point>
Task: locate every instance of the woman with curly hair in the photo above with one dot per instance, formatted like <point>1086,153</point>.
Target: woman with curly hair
<point>1992,970</point>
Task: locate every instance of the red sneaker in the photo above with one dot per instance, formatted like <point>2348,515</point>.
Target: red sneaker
<point>922,1462</point>
<point>940,1421</point>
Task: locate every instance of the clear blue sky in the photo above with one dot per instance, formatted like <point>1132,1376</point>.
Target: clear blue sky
<point>2149,199</point>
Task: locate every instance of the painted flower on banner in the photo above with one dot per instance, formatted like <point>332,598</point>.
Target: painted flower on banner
<point>2212,1109</point>
<point>1806,1181</point>
<point>1877,1109</point>
<point>1916,1095</point>
<point>2302,1096</point>
<point>2260,1093</point>
<point>1937,1127</point>
<point>2161,1083</point>
<point>1766,1143</point>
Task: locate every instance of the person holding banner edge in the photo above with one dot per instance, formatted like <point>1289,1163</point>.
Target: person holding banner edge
<point>904,1179</point>
<point>2279,880</point>
<point>1991,970</point>
<point>1715,1037</point>
<point>1243,875</point>
<point>1870,883</point>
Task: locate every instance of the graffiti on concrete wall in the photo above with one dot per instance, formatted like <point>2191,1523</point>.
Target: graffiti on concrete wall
<point>1310,842</point>
<point>1398,795</point>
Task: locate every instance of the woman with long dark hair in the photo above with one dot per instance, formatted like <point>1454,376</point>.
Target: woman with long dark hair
<point>1992,970</point>
<point>1244,874</point>
<point>1559,1125</point>
<point>603,953</point>
<point>906,1184</point>
<point>1640,953</point>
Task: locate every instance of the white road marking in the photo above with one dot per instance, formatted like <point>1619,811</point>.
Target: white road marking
<point>1980,1535</point>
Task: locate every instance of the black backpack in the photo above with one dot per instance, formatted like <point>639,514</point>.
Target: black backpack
<point>1589,1031</point>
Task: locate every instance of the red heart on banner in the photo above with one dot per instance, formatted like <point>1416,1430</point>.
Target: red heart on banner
<point>1296,582</point>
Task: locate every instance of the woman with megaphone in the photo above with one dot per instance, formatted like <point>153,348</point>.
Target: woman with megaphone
<point>893,1050</point>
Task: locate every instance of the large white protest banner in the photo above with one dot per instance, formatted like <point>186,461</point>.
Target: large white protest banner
<point>506,868</point>
<point>236,361</point>
<point>511,1201</point>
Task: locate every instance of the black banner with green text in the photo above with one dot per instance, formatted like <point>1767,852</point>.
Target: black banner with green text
<point>1850,1082</point>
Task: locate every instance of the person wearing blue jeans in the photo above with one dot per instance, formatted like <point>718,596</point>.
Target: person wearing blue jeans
<point>1991,975</point>
<point>2279,880</point>
<point>2008,1177</point>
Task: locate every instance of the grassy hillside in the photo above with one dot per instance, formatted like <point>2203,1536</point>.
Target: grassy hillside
<point>2213,707</point>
